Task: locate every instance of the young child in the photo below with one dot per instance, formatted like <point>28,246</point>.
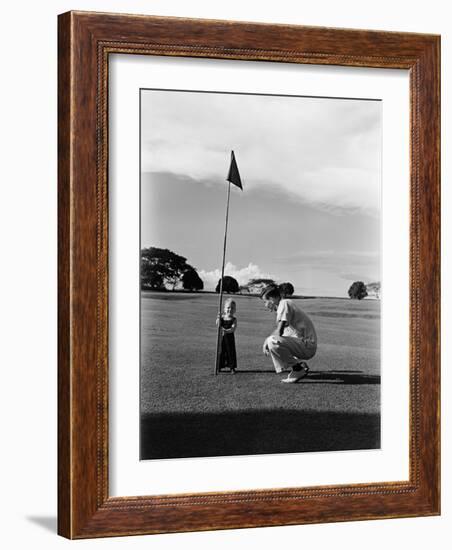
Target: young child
<point>294,339</point>
<point>228,323</point>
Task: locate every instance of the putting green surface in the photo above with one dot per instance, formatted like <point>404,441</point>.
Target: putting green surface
<point>180,393</point>
<point>178,339</point>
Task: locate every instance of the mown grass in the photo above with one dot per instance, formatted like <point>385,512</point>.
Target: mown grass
<point>188,411</point>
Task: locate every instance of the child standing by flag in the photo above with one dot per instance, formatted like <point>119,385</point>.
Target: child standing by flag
<point>228,323</point>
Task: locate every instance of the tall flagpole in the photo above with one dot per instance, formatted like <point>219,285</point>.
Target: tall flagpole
<point>220,302</point>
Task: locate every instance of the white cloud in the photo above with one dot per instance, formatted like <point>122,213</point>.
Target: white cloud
<point>241,274</point>
<point>322,151</point>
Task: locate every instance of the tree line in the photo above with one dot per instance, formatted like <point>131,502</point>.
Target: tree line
<point>163,269</point>
<point>359,290</point>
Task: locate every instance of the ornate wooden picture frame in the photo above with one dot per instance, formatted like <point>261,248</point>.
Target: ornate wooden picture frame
<point>86,41</point>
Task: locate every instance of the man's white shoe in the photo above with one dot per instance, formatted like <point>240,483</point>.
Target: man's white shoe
<point>282,371</point>
<point>296,375</point>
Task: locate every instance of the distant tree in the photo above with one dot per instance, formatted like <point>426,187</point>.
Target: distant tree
<point>357,291</point>
<point>230,285</point>
<point>160,266</point>
<point>374,289</point>
<point>256,286</point>
<point>191,280</point>
<point>286,289</point>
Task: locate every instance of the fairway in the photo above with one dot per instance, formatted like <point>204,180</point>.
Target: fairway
<point>188,411</point>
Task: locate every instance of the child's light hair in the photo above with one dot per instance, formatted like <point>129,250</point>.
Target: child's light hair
<point>230,302</point>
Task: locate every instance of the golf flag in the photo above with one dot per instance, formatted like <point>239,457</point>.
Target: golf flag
<point>234,178</point>
<point>233,175</point>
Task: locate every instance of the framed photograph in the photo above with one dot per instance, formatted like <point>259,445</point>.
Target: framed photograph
<point>248,275</point>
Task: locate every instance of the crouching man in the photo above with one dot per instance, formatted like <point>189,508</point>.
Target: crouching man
<point>294,341</point>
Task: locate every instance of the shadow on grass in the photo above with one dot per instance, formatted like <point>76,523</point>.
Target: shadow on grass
<point>251,371</point>
<point>342,377</point>
<point>331,376</point>
<point>255,432</point>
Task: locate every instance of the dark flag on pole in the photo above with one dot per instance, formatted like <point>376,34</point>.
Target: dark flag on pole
<point>233,175</point>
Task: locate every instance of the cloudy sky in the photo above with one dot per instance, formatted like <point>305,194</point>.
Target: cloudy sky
<point>310,209</point>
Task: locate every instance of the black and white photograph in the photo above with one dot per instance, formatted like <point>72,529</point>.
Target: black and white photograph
<point>260,274</point>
